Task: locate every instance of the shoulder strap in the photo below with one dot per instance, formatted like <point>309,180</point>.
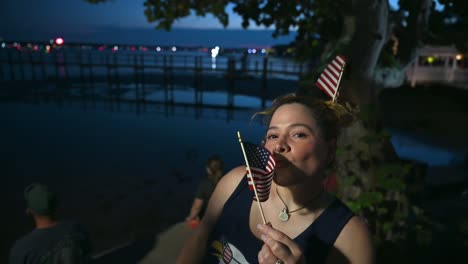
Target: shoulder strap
<point>240,187</point>
<point>325,230</point>
<point>332,221</point>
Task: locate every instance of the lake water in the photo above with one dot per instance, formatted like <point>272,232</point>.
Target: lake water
<point>115,163</point>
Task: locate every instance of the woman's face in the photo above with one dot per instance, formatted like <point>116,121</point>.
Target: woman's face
<point>296,141</point>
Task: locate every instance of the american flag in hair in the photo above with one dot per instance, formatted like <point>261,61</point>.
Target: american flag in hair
<point>262,164</point>
<point>330,78</point>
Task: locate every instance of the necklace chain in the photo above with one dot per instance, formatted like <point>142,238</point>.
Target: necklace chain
<point>295,210</point>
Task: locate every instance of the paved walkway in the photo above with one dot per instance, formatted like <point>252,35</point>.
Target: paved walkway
<point>163,248</point>
<point>168,245</point>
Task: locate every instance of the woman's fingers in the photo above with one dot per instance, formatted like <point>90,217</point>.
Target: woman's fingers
<point>278,241</point>
<point>278,246</point>
<point>266,256</point>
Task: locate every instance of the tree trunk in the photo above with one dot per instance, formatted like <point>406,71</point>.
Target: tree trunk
<point>371,19</point>
<point>365,148</point>
<point>417,28</point>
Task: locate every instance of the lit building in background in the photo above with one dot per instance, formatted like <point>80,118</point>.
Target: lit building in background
<point>443,64</point>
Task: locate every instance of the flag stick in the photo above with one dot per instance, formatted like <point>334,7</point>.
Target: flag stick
<point>335,96</point>
<point>251,178</point>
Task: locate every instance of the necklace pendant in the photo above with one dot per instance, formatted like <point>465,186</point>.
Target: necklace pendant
<point>284,216</point>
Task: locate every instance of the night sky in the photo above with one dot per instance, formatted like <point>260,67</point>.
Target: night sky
<point>120,21</point>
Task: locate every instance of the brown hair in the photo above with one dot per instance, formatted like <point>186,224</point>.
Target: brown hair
<point>331,117</point>
<point>215,164</point>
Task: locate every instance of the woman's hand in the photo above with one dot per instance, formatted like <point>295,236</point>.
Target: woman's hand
<point>192,218</point>
<point>278,247</point>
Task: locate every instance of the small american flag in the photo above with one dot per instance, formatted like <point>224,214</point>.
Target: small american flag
<point>227,253</point>
<point>262,164</point>
<point>330,78</point>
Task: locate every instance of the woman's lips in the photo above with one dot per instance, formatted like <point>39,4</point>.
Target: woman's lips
<point>281,162</point>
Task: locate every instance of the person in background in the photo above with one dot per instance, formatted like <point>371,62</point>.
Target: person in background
<point>214,172</point>
<point>52,240</point>
<point>306,224</point>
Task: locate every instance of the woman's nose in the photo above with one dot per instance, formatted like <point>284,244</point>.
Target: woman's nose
<point>282,147</point>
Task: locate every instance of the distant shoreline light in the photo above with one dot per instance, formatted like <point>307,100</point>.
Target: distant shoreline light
<point>233,38</point>
<point>250,48</point>
<point>213,51</point>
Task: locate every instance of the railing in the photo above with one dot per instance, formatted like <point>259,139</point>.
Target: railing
<point>141,73</point>
<point>442,64</point>
<point>62,64</point>
<point>426,74</point>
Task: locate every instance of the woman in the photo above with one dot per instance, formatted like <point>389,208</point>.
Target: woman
<point>306,224</point>
<point>214,172</point>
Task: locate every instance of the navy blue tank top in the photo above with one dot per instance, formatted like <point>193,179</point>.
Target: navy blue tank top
<point>232,241</point>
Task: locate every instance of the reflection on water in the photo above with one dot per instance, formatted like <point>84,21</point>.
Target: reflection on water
<point>409,147</point>
<point>121,169</point>
<point>96,135</point>
<point>157,139</point>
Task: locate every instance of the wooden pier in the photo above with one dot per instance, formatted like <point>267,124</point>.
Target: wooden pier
<point>140,75</point>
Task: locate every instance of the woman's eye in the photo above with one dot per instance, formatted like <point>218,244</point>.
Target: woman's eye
<point>300,135</point>
<point>269,137</point>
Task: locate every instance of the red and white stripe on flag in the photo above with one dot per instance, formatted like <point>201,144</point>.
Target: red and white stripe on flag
<point>262,165</point>
<point>330,77</point>
<point>227,253</point>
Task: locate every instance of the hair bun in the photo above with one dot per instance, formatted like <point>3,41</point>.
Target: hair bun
<point>345,114</point>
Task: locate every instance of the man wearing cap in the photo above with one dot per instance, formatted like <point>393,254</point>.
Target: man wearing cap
<point>52,241</point>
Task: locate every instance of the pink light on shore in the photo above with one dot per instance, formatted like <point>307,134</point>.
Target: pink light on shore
<point>59,41</point>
